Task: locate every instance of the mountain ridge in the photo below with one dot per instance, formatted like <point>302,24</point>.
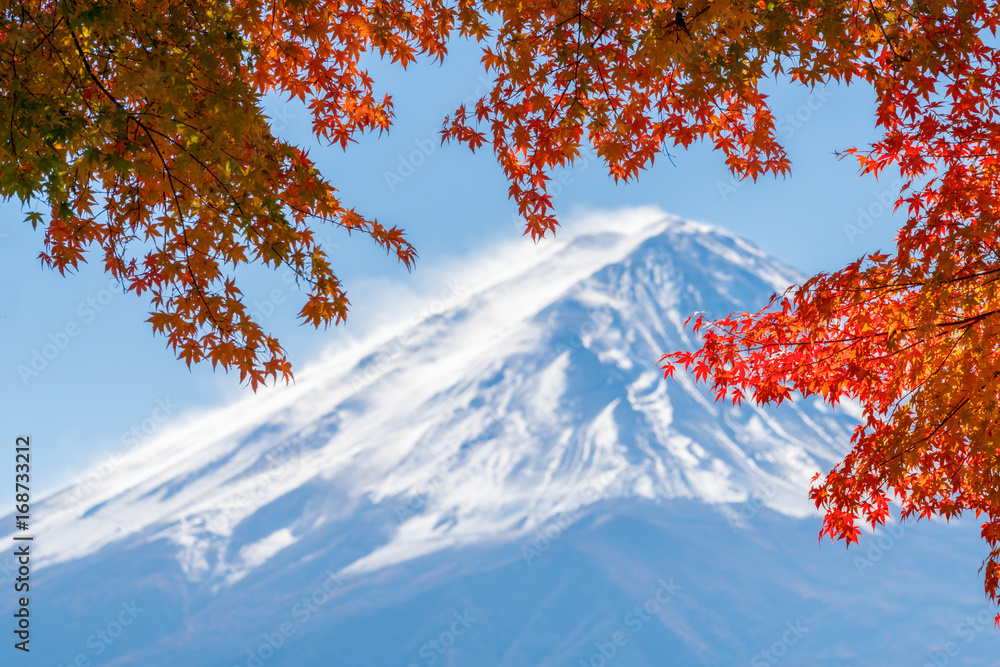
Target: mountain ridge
<point>514,457</point>
<point>583,298</point>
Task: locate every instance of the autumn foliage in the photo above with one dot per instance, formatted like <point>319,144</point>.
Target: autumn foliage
<point>139,124</point>
<point>913,335</point>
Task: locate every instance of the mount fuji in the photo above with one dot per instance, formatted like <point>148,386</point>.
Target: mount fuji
<point>505,480</point>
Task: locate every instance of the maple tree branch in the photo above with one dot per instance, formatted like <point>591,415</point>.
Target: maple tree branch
<point>167,173</point>
<point>878,20</point>
<point>170,176</point>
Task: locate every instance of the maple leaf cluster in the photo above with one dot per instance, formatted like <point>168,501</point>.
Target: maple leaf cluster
<point>139,123</point>
<point>911,336</point>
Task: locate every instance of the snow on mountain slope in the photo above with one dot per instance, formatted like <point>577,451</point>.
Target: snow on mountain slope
<point>513,463</point>
<point>534,393</point>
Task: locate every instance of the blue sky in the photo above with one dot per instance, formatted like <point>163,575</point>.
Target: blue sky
<point>111,382</point>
